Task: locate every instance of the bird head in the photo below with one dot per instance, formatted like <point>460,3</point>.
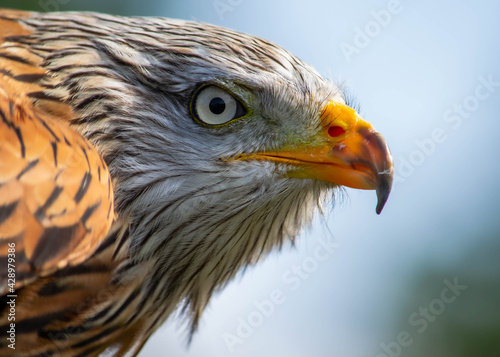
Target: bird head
<point>222,145</point>
<point>253,115</point>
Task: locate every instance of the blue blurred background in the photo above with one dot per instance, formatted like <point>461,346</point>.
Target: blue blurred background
<point>422,279</point>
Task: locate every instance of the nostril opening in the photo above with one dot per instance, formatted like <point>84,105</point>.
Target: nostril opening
<point>335,131</point>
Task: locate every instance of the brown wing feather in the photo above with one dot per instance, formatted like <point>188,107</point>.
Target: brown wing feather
<point>56,199</point>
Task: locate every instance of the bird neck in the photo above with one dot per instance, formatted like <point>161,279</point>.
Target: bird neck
<point>193,245</point>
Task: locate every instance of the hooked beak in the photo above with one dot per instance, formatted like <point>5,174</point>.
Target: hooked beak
<point>352,154</point>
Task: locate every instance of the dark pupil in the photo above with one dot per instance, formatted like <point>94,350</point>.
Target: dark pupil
<point>217,105</point>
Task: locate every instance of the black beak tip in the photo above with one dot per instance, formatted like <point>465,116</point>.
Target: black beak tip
<point>383,170</point>
<point>383,191</point>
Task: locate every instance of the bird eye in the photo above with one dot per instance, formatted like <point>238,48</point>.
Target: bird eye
<point>215,106</point>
